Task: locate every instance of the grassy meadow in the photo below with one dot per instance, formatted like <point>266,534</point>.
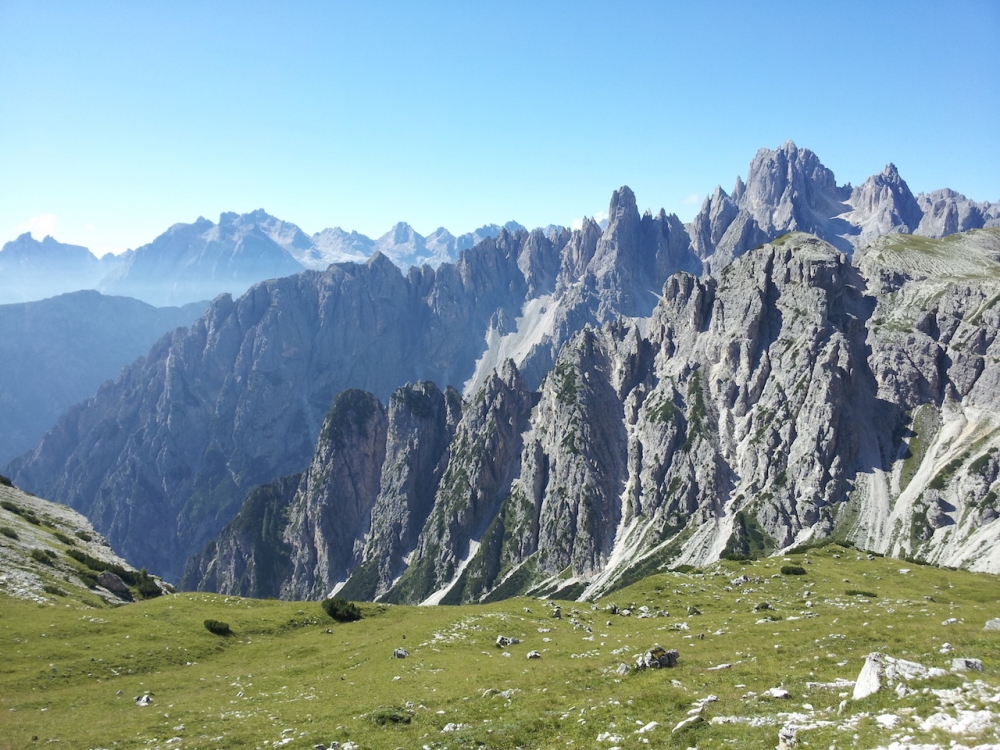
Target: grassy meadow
<point>289,676</point>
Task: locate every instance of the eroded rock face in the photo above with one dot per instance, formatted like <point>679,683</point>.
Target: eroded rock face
<point>759,407</point>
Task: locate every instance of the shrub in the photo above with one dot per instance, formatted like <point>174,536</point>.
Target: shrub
<point>341,610</point>
<point>389,715</point>
<point>48,588</point>
<point>685,568</point>
<point>859,592</point>
<point>8,505</point>
<point>68,541</point>
<point>217,627</point>
<point>792,570</point>
<point>84,536</point>
<point>146,586</point>
<point>8,532</point>
<point>39,556</point>
<point>130,577</point>
<point>5,481</point>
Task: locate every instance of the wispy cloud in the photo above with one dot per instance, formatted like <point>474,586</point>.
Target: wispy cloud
<point>692,200</point>
<point>39,226</point>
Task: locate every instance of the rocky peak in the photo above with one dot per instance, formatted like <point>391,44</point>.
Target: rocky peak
<point>884,204</point>
<point>333,504</point>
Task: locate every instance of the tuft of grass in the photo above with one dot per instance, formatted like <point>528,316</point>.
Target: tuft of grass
<point>8,532</point>
<point>389,715</point>
<point>859,592</point>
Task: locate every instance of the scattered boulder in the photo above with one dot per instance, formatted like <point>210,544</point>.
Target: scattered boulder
<point>966,665</point>
<point>114,584</point>
<point>400,653</point>
<point>557,613</point>
<point>534,655</point>
<point>762,606</point>
<point>657,657</point>
<point>879,667</point>
<point>775,692</point>
<point>503,641</point>
<point>622,670</point>
<point>946,648</point>
<point>950,621</point>
<point>145,699</point>
<point>992,624</point>
<point>694,611</point>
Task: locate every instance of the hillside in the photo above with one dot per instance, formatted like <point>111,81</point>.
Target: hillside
<point>50,554</point>
<point>764,659</point>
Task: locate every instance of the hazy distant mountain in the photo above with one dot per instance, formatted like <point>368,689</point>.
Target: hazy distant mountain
<point>56,352</point>
<point>31,270</point>
<point>201,260</point>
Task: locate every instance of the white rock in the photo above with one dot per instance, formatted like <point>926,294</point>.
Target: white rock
<point>534,655</point>
<point>888,721</point>
<point>775,692</point>
<point>950,621</point>
<point>992,624</point>
<point>648,727</point>
<point>964,665</point>
<point>869,681</point>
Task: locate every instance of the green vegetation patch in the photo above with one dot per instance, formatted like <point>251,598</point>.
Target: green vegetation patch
<point>341,610</point>
<point>792,570</point>
<point>217,627</point>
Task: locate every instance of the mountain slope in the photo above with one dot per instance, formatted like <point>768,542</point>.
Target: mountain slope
<point>163,458</point>
<point>56,352</point>
<point>793,397</point>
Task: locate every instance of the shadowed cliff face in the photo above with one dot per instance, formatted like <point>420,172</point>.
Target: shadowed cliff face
<point>781,401</point>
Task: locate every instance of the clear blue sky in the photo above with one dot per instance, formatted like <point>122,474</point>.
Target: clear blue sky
<point>118,119</point>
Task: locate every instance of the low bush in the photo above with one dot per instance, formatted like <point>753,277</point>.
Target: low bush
<point>8,505</point>
<point>217,627</point>
<point>68,541</point>
<point>8,532</point>
<point>130,577</point>
<point>389,715</point>
<point>48,588</point>
<point>146,586</point>
<point>341,610</point>
<point>84,536</point>
<point>5,481</point>
<point>859,592</point>
<point>792,570</point>
<point>685,568</point>
<point>39,556</point>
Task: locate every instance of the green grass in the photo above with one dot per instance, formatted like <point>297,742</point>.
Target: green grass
<point>68,672</point>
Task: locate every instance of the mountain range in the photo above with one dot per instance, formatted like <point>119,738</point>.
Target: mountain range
<point>191,262</point>
<point>644,393</point>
